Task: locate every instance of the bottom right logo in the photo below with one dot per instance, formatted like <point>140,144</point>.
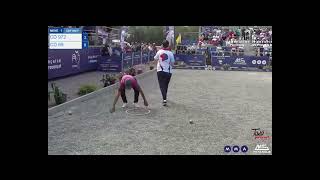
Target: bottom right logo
<point>262,148</point>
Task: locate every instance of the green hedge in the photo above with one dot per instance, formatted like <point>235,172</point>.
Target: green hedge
<point>85,89</point>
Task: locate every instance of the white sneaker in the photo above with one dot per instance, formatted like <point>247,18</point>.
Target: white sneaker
<point>124,105</point>
<point>136,105</point>
<point>164,102</point>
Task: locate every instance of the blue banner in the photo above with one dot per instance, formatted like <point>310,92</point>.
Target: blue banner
<point>64,62</point>
<point>191,60</point>
<point>240,61</point>
<point>188,42</point>
<point>195,60</point>
<point>91,56</point>
<point>217,61</point>
<point>136,58</point>
<point>180,57</point>
<point>110,63</point>
<point>127,60</point>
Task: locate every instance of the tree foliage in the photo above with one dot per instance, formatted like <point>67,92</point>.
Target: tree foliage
<point>155,34</point>
<point>187,32</point>
<point>146,34</point>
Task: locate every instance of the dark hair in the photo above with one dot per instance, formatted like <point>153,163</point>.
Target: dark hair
<point>165,43</point>
<point>128,84</point>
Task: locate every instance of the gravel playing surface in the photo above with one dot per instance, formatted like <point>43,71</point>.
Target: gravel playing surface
<point>223,105</point>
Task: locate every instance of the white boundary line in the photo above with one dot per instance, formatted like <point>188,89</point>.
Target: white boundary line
<point>128,110</point>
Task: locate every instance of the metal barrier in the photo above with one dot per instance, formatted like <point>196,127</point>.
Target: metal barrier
<point>125,61</point>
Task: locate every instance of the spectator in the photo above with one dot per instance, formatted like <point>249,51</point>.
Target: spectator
<point>210,36</point>
<point>154,47</point>
<point>150,47</point>
<point>238,33</point>
<point>243,34</point>
<point>105,50</point>
<point>247,35</point>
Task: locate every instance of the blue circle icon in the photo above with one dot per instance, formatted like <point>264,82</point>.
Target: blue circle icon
<point>244,148</point>
<point>236,149</point>
<point>227,149</point>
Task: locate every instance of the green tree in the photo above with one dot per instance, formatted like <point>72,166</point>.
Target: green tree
<point>187,32</point>
<point>146,34</point>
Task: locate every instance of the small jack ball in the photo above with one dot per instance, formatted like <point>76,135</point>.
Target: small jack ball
<point>69,112</point>
<point>190,121</point>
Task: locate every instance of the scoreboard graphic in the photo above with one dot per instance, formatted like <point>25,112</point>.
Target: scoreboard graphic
<point>67,38</point>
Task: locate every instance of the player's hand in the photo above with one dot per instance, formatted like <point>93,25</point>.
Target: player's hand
<point>146,103</point>
<point>113,109</point>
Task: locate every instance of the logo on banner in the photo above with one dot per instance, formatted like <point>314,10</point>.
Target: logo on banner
<point>54,63</point>
<point>220,61</point>
<point>264,62</point>
<point>76,60</point>
<point>259,62</point>
<point>259,134</point>
<point>240,61</point>
<point>93,59</point>
<point>262,148</point>
<point>254,61</point>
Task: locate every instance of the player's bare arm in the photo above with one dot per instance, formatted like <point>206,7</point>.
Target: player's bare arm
<point>144,98</point>
<point>113,109</point>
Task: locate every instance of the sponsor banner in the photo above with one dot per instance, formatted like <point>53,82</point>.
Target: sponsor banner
<point>217,61</point>
<point>255,61</point>
<point>262,149</point>
<point>64,62</point>
<point>91,56</point>
<point>195,60</point>
<point>191,60</point>
<point>185,60</point>
<point>110,63</point>
<point>236,149</point>
<point>240,61</point>
<point>136,58</point>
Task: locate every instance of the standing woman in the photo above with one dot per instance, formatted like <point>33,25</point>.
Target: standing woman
<point>164,69</point>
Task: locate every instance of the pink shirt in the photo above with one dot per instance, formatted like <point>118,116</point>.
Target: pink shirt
<point>134,82</point>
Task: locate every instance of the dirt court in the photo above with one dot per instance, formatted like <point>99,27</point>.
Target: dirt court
<point>224,105</point>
